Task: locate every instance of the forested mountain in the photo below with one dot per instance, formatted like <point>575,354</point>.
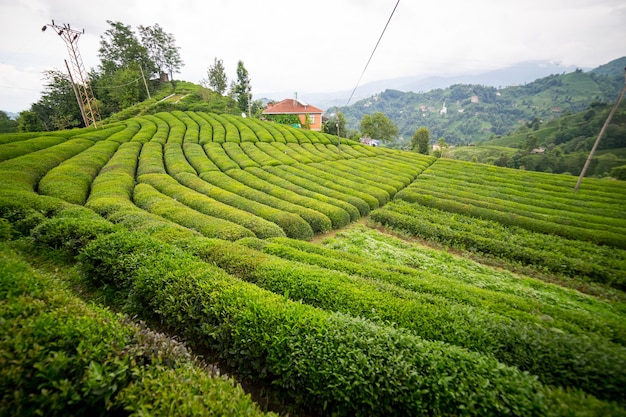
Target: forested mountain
<point>464,113</point>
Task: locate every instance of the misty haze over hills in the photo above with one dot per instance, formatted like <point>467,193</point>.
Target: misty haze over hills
<point>521,73</point>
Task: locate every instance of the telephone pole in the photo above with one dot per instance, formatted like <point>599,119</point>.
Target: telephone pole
<point>77,73</point>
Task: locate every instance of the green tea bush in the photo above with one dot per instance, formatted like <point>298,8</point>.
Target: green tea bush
<point>234,151</point>
<point>277,135</point>
<point>151,159</point>
<point>292,224</point>
<point>24,172</point>
<point>149,199</point>
<point>335,183</point>
<point>303,352</point>
<point>176,127</point>
<point>337,217</point>
<point>231,131</point>
<point>259,128</point>
<point>197,158</point>
<point>383,192</point>
<point>162,132</point>
<point>64,357</point>
<point>71,180</point>
<point>322,187</point>
<point>281,156</point>
<point>245,132</point>
<point>192,129</point>
<point>219,157</point>
<point>289,150</point>
<point>175,160</point>
<point>298,149</point>
<point>146,132</point>
<point>219,133</point>
<point>205,133</point>
<point>11,150</point>
<point>557,358</point>
<point>257,155</point>
<point>209,206</point>
<point>318,214</point>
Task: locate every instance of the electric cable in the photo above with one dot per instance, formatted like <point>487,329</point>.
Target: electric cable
<point>375,47</point>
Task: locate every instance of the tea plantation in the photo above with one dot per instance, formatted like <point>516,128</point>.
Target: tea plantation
<point>156,265</point>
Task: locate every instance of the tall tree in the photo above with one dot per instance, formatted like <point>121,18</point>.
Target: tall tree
<point>217,77</point>
<point>378,126</point>
<point>242,87</point>
<point>421,140</point>
<point>57,108</point>
<point>7,125</point>
<point>162,49</point>
<point>120,48</point>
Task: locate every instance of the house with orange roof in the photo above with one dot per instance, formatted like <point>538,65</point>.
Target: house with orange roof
<point>293,106</point>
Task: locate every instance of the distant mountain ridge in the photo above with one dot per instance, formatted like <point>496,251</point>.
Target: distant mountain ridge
<point>468,113</point>
<point>516,74</point>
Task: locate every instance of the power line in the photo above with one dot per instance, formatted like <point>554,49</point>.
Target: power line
<point>368,61</point>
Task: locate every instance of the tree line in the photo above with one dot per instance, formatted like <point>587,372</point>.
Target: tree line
<point>134,65</point>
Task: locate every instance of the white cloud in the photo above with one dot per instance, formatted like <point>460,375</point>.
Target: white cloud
<point>322,46</point>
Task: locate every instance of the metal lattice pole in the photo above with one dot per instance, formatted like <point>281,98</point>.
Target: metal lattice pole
<point>78,74</point>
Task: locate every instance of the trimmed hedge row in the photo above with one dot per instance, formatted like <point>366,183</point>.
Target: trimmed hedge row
<point>219,132</point>
<point>11,150</point>
<point>148,198</point>
<point>71,180</point>
<point>320,215</point>
<point>146,132</point>
<point>151,159</point>
<point>274,131</point>
<point>24,172</point>
<point>292,224</point>
<point>326,363</point>
<point>234,151</point>
<point>346,187</point>
<point>281,156</point>
<point>297,148</point>
<point>177,128</point>
<point>192,129</point>
<point>482,287</point>
<point>504,214</point>
<point>206,130</point>
<point>362,208</point>
<point>557,358</point>
<point>288,134</point>
<point>175,160</point>
<point>286,148</point>
<point>167,185</point>
<point>362,174</point>
<point>245,133</point>
<point>318,222</point>
<point>327,171</point>
<point>163,129</point>
<point>127,134</point>
<point>219,157</point>
<point>197,158</point>
<point>260,130</point>
<point>231,131</point>
<point>283,183</point>
<point>556,254</point>
<point>64,357</point>
<point>257,155</point>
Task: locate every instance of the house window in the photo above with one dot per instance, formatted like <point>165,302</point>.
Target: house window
<point>312,117</point>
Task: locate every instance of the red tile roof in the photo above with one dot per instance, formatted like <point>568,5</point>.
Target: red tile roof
<point>291,105</point>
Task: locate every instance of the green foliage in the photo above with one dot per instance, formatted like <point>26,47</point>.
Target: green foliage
<point>62,356</point>
<point>378,126</point>
<point>217,79</point>
<point>619,172</point>
<point>421,140</point>
<point>284,119</point>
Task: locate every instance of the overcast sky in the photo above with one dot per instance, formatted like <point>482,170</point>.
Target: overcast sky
<point>293,46</point>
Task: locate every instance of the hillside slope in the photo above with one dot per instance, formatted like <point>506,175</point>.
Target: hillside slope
<point>199,223</point>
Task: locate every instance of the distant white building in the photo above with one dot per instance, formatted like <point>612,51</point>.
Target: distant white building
<point>444,109</point>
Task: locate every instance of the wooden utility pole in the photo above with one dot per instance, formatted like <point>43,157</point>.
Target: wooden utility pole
<point>602,131</point>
